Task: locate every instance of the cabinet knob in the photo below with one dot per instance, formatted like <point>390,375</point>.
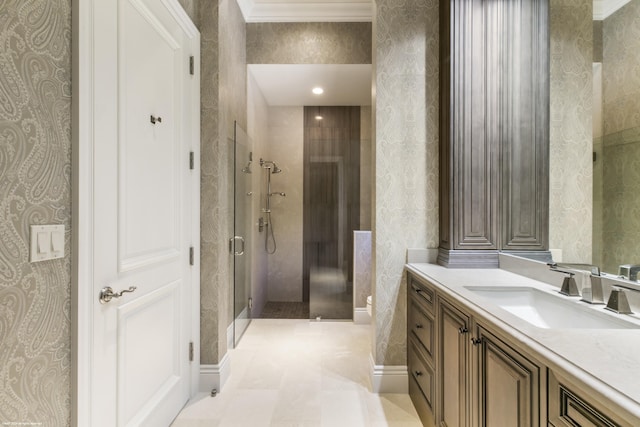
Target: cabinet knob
<point>418,291</point>
<point>418,374</point>
<point>418,326</point>
<point>476,341</point>
<point>463,330</point>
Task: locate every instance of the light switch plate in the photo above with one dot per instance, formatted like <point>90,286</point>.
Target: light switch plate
<point>47,242</point>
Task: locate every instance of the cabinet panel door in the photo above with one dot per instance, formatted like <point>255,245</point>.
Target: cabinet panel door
<point>453,363</point>
<point>567,408</point>
<point>509,385</point>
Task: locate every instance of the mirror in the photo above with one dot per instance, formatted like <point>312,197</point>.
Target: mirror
<point>616,137</point>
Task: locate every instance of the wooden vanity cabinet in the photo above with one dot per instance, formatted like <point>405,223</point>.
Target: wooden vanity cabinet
<point>421,343</point>
<point>478,379</point>
<point>509,384</point>
<point>454,369</point>
<point>568,408</point>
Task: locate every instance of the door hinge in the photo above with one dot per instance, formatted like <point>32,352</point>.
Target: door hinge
<point>191,256</point>
<point>191,65</point>
<point>192,160</point>
<point>191,351</point>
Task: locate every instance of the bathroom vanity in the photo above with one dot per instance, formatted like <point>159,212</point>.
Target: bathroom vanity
<point>487,347</point>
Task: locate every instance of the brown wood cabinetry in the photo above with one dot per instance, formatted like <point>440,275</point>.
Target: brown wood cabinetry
<point>568,408</point>
<point>462,374</point>
<point>453,373</point>
<point>509,393</point>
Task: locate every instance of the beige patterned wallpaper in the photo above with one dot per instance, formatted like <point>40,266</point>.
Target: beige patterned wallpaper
<point>309,43</point>
<point>35,169</point>
<point>621,169</point>
<point>571,98</point>
<point>406,159</point>
<point>223,100</point>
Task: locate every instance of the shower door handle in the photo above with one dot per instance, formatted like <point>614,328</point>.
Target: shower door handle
<point>236,238</point>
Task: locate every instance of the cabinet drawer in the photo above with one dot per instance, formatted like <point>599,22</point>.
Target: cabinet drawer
<point>421,372</point>
<point>421,326</point>
<point>421,293</point>
<point>567,408</point>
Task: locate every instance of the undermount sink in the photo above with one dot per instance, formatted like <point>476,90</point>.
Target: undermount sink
<point>546,310</point>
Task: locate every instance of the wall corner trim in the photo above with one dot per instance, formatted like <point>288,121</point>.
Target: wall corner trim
<point>215,376</point>
<point>389,378</point>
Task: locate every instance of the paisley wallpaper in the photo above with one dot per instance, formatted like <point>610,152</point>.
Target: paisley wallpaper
<point>35,170</point>
<point>406,44</point>
<point>309,43</point>
<point>571,98</point>
<point>621,156</point>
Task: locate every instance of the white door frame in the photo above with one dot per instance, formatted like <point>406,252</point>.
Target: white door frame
<point>85,75</point>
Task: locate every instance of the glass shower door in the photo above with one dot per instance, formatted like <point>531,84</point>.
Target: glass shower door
<point>242,233</point>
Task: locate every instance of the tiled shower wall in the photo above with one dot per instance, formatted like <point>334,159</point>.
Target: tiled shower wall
<point>285,147</point>
<point>621,168</point>
<point>35,188</point>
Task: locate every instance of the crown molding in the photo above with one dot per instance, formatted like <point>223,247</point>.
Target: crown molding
<point>602,9</point>
<point>306,12</point>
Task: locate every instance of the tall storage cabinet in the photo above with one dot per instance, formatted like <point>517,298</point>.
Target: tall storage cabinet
<point>494,121</point>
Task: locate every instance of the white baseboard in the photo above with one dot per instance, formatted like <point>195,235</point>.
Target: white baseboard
<point>230,343</point>
<point>361,316</point>
<point>215,376</point>
<point>389,379</point>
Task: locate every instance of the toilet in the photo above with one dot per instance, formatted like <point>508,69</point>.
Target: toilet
<point>369,300</point>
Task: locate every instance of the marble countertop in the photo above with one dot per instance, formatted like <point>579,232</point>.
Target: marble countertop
<point>606,361</point>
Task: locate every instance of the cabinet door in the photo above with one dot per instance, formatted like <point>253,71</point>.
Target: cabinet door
<point>567,408</point>
<point>508,387</point>
<point>453,364</point>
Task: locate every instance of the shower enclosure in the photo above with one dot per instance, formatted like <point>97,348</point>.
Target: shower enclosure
<point>240,244</point>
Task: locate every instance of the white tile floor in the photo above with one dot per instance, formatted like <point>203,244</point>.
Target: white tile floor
<point>287,373</point>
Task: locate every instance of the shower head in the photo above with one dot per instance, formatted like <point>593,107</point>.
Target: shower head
<point>270,165</point>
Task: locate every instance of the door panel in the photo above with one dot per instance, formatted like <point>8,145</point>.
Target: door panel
<point>149,353</point>
<point>144,208</point>
<point>148,153</point>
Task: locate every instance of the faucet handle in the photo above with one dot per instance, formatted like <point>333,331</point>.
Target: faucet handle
<point>569,287</point>
<point>618,301</point>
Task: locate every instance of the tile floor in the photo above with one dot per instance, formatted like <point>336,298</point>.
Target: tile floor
<point>297,373</point>
<point>285,310</point>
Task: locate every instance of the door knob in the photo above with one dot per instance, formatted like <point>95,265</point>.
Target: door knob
<point>107,294</point>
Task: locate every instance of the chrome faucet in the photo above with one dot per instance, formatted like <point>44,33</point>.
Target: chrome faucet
<point>629,271</point>
<point>618,301</point>
<point>594,294</point>
<point>569,286</point>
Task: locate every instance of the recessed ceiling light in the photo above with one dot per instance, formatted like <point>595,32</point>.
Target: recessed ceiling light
<point>318,90</point>
<point>318,117</point>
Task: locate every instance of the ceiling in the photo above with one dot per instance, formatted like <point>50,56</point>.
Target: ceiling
<point>604,8</point>
<point>290,85</point>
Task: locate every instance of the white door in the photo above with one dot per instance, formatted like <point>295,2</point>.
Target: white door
<point>143,212</point>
